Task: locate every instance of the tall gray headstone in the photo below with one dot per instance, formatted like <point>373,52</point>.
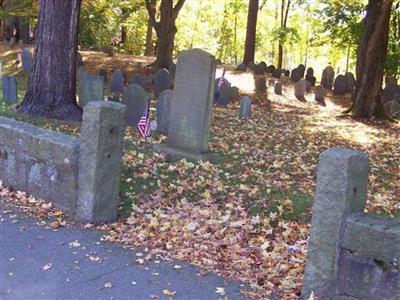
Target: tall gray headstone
<point>328,77</point>
<point>278,88</point>
<point>319,93</point>
<point>300,89</point>
<point>245,108</point>
<point>164,111</point>
<point>189,129</point>
<point>91,88</point>
<point>136,100</point>
<point>162,81</point>
<point>261,83</point>
<point>102,131</point>
<point>9,88</point>
<point>350,82</point>
<point>342,181</point>
<point>27,60</point>
<point>340,85</point>
<point>117,82</point>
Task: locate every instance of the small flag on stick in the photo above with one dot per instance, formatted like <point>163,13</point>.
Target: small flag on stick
<point>144,123</point>
<point>220,85</point>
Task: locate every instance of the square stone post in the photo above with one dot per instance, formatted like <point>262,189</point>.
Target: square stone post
<point>342,181</point>
<point>102,132</point>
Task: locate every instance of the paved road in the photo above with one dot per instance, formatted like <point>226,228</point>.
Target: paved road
<point>26,248</point>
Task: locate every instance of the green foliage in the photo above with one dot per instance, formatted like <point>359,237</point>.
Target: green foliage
<point>288,35</point>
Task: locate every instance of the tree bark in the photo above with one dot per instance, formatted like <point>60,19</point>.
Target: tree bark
<point>284,19</point>
<point>367,99</point>
<point>52,83</point>
<point>250,45</point>
<point>165,30</point>
<point>149,36</point>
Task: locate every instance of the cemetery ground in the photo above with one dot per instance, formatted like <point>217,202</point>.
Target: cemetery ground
<point>247,217</point>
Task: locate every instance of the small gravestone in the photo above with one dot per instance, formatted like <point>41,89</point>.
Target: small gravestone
<point>286,73</point>
<point>138,79</point>
<point>295,76</point>
<point>223,95</point>
<point>103,73</point>
<point>191,106</point>
<point>260,68</point>
<point>241,68</point>
<point>278,88</point>
<point>320,94</point>
<point>117,82</point>
<point>234,93</point>
<point>310,76</point>
<point>164,111</point>
<point>261,83</point>
<point>340,86</point>
<point>91,88</point>
<point>350,82</point>
<point>328,76</point>
<point>162,81</point>
<point>136,100</point>
<point>245,108</point>
<point>310,72</point>
<point>302,69</point>
<point>300,89</point>
<point>12,42</point>
<point>9,88</point>
<point>252,66</point>
<point>27,60</point>
<point>270,69</point>
<point>79,59</point>
<point>277,73</point>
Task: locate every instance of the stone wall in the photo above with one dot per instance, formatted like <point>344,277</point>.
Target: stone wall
<point>351,254</point>
<point>55,166</point>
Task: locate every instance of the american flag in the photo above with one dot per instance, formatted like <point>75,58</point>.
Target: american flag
<point>144,124</point>
<point>220,85</point>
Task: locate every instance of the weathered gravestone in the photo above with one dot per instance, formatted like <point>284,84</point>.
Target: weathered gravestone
<point>302,70</point>
<point>340,86</point>
<point>328,76</point>
<point>162,81</point>
<point>310,76</point>
<point>9,88</point>
<point>103,73</point>
<point>278,88</point>
<point>117,82</point>
<point>252,66</point>
<point>392,108</point>
<point>103,126</point>
<point>308,86</point>
<point>391,89</point>
<point>164,111</point>
<point>224,95</point>
<point>261,83</point>
<point>286,73</point>
<point>189,128</point>
<point>245,108</point>
<point>91,88</point>
<point>295,76</point>
<point>350,82</point>
<point>241,68</point>
<point>138,79</point>
<point>270,69</point>
<point>320,94</point>
<point>277,73</point>
<point>27,60</point>
<point>260,68</point>
<point>136,100</point>
<point>300,89</point>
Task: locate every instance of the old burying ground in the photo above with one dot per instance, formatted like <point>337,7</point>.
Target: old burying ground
<point>247,217</point>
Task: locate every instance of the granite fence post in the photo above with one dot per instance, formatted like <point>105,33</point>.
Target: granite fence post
<point>342,180</point>
<point>102,134</point>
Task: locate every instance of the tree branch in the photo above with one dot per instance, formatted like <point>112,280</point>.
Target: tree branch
<point>178,7</point>
<point>150,11</point>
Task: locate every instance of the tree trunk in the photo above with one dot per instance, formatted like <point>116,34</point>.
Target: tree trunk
<point>250,45</point>
<point>367,100</point>
<point>149,36</point>
<point>284,19</point>
<point>52,83</point>
<point>165,29</point>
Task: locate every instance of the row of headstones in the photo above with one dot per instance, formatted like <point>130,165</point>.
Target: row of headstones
<point>391,97</point>
<point>262,68</point>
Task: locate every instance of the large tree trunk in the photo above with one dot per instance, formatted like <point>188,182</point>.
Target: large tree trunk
<point>52,83</point>
<point>284,19</point>
<point>367,100</point>
<point>149,35</point>
<point>165,29</point>
<point>250,45</point>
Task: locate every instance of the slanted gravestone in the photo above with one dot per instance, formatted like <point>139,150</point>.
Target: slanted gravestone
<point>278,88</point>
<point>101,145</point>
<point>277,73</point>
<point>234,93</point>
<point>117,82</point>
<point>241,68</point>
<point>9,88</point>
<point>350,82</point>
<point>103,73</point>
<point>261,83</point>
<point>162,81</point>
<point>138,79</point>
<point>320,94</point>
<point>191,106</point>
<point>164,111</point>
<point>328,76</point>
<point>245,108</point>
<point>27,60</point>
<point>91,88</point>
<point>340,86</point>
<point>136,100</point>
<point>224,94</point>
<point>300,89</point>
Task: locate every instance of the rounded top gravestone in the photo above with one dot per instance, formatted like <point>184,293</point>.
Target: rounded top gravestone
<point>300,89</point>
<point>340,86</point>
<point>261,83</point>
<point>270,69</point>
<point>117,81</point>
<point>328,76</point>
<point>164,111</point>
<point>241,68</point>
<point>138,79</point>
<point>302,70</point>
<point>162,81</point>
<point>295,76</point>
<point>350,82</point>
<point>277,73</point>
<point>136,100</point>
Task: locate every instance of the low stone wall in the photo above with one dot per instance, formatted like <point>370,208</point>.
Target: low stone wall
<point>70,172</point>
<point>351,254</point>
